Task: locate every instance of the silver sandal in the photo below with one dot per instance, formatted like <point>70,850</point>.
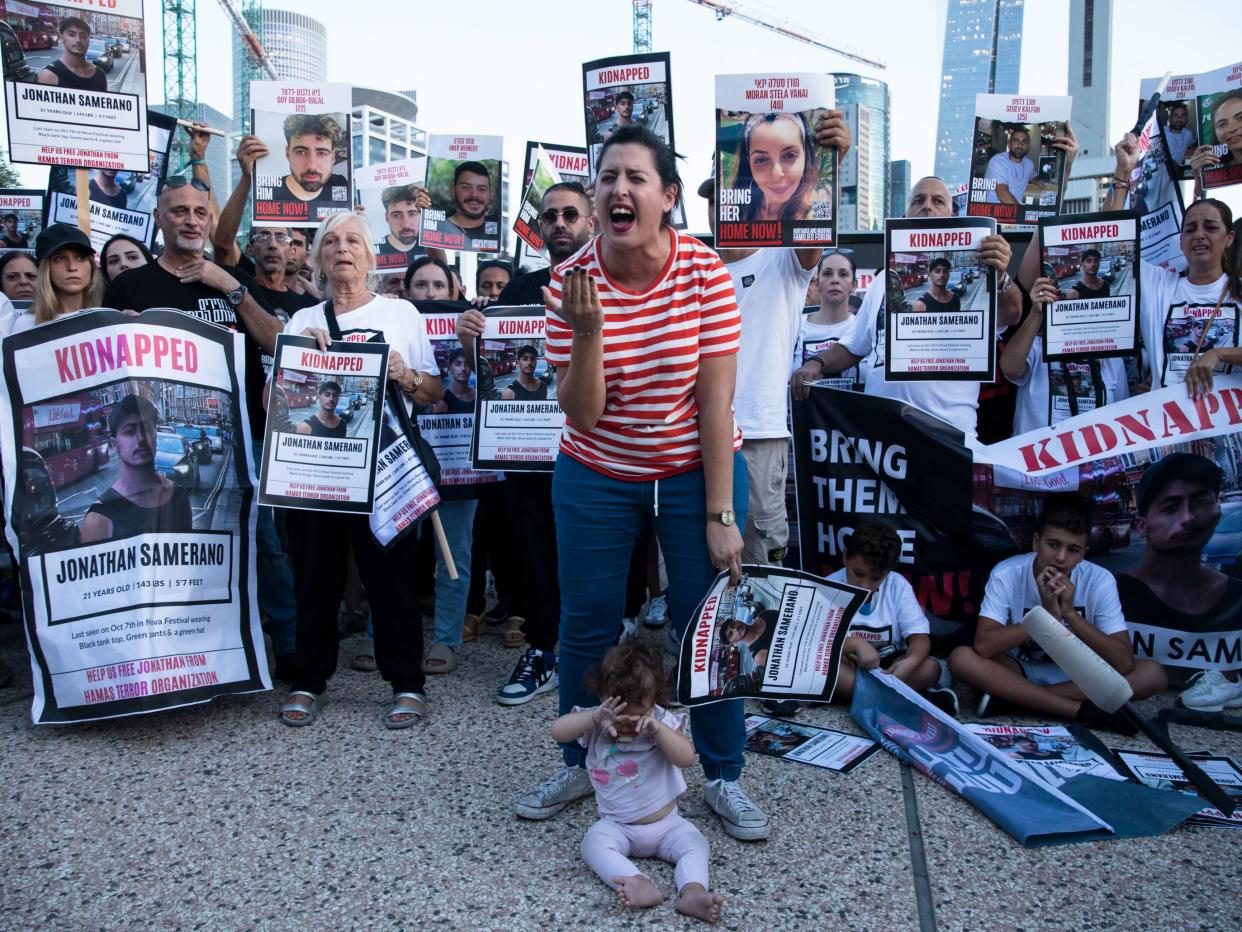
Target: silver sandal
<point>416,713</point>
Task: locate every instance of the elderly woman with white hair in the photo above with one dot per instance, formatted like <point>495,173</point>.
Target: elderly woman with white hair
<point>319,542</point>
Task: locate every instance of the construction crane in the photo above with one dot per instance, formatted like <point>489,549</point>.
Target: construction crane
<point>245,20</point>
<point>642,29</point>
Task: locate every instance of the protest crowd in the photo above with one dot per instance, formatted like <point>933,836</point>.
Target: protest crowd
<point>674,366</point>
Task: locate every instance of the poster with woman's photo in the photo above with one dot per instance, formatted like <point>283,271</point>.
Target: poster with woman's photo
<point>807,744</point>
<point>323,425</point>
<point>1218,105</point>
<point>120,202</point>
<point>464,181</point>
<point>21,219</point>
<point>74,84</point>
<point>392,190</point>
<point>941,305</point>
<point>775,185</point>
<point>776,633</point>
<point>128,501</point>
<point>570,163</point>
<point>517,419</point>
<point>1094,260</point>
<point>1016,175</point>
<point>307,175</point>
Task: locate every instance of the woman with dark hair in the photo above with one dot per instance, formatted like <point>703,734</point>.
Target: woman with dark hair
<point>122,253</point>
<point>18,276</point>
<point>1226,131</point>
<point>777,163</point>
<point>827,324</point>
<point>643,330</point>
<point>430,279</point>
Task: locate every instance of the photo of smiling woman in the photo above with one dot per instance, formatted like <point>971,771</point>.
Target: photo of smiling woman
<point>1215,168</point>
<point>772,164</point>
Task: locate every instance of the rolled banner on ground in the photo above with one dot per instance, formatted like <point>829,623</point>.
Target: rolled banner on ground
<point>1103,685</point>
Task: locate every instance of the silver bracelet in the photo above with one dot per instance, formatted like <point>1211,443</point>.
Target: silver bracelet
<point>588,333</point>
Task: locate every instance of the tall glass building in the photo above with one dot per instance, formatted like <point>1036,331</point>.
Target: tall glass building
<point>864,171</point>
<point>298,48</point>
<point>982,55</point>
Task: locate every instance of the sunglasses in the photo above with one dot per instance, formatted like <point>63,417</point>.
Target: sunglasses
<point>571,215</point>
<point>835,252</point>
<point>180,181</point>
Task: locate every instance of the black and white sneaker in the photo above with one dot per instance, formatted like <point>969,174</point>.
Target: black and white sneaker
<point>781,708</point>
<point>945,699</point>
<point>534,673</point>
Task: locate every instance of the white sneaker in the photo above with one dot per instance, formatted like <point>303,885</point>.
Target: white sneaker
<point>657,612</point>
<point>629,629</point>
<point>554,793</point>
<point>738,813</point>
<point>1212,691</point>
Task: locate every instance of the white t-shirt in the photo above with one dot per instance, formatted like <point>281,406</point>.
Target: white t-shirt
<point>392,320</point>
<point>8,315</point>
<point>1163,290</point>
<point>1015,175</point>
<point>770,285</point>
<point>1036,409</point>
<point>814,338</point>
<point>890,615</point>
<point>954,402</point>
<point>1178,141</point>
<point>1011,592</point>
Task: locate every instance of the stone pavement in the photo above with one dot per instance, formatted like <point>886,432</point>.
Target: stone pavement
<point>219,817</point>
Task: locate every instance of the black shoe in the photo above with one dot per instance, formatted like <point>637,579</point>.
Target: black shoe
<point>1093,716</point>
<point>781,708</point>
<point>944,699</point>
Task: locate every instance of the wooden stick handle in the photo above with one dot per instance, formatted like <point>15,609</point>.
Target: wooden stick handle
<point>444,547</point>
<point>202,128</point>
<point>82,193</point>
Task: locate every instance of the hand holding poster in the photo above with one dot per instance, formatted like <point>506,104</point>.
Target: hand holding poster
<point>1094,260</point>
<point>517,420</point>
<point>397,192</point>
<point>777,633</point>
<point>941,306</point>
<point>21,218</point>
<point>305,178</point>
<point>1157,198</point>
<point>1176,126</point>
<point>463,178</point>
<point>544,175</point>
<point>323,425</point>
<point>82,104</point>
<point>128,498</point>
<point>775,185</point>
<point>1017,173</point>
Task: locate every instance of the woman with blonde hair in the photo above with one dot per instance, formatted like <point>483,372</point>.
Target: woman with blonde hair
<point>68,279</point>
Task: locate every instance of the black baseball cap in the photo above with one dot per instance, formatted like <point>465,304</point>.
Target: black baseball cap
<point>1186,467</point>
<point>60,236</point>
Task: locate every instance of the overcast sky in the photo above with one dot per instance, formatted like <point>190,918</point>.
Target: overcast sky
<point>513,68</point>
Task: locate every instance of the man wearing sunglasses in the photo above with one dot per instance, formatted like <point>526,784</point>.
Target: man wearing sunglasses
<point>566,225</point>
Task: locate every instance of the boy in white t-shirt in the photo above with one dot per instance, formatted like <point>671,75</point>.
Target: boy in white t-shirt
<point>1006,664</point>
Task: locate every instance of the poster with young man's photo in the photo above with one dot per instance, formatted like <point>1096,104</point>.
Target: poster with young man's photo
<point>464,182</point>
<point>775,185</point>
<point>1017,175</point>
<point>526,225</point>
<point>517,419</point>
<point>1094,260</point>
<point>307,174</point>
<point>21,219</point>
<point>74,84</point>
<point>395,192</point>
<point>323,425</point>
<point>1175,115</point>
<point>941,305</point>
<point>120,202</point>
<point>1156,197</point>
<point>129,503</point>
<point>571,165</point>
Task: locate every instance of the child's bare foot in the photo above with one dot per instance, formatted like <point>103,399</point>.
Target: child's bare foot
<point>695,900</point>
<point>637,892</point>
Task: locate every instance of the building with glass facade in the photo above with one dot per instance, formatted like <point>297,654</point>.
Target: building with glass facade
<point>298,48</point>
<point>982,55</point>
<point>219,151</point>
<point>1090,64</point>
<point>864,170</point>
<point>899,184</point>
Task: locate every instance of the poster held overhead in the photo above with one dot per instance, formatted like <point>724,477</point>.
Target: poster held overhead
<point>391,190</point>
<point>775,185</point>
<point>306,175</point>
<point>82,104</point>
<point>1016,174</point>
<point>941,304</point>
<point>1218,103</point>
<point>464,181</point>
<point>21,219</point>
<point>570,163</point>
<point>543,176</point>
<point>1175,120</point>
<point>1156,196</point>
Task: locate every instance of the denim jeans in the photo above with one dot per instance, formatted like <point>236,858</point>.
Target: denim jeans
<point>598,520</point>
<point>276,599</point>
<point>457,516</point>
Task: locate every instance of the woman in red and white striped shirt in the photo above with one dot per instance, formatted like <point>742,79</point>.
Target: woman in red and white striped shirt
<point>643,330</point>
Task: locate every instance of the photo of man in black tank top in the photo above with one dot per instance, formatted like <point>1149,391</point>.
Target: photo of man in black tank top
<point>526,387</point>
<point>459,393</point>
<point>72,70</point>
<point>939,297</point>
<point>141,501</point>
<point>325,422</point>
<point>1091,285</point>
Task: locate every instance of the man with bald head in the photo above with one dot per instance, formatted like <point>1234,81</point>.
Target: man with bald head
<point>955,402</point>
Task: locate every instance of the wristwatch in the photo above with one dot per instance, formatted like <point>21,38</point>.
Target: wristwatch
<point>726,517</point>
<point>237,296</point>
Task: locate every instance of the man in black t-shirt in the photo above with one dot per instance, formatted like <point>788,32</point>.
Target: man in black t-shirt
<point>939,297</point>
<point>1091,285</point>
<point>9,237</point>
<point>403,212</point>
<point>72,70</point>
<point>527,386</point>
<point>311,141</point>
<point>182,279</point>
<point>325,422</point>
<point>104,189</point>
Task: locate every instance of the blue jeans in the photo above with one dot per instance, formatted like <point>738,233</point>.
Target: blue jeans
<point>276,599</point>
<point>458,519</point>
<point>597,521</point>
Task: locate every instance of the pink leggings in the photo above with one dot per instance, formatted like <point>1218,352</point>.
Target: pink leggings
<point>608,845</point>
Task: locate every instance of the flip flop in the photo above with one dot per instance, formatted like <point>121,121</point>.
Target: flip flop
<point>311,712</point>
<point>416,713</point>
<point>364,660</point>
<point>440,659</point>
<point>511,631</point>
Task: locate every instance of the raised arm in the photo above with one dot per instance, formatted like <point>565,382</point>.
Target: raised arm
<point>249,150</point>
<point>831,133</point>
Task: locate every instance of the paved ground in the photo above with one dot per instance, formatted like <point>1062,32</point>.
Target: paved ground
<point>219,817</point>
